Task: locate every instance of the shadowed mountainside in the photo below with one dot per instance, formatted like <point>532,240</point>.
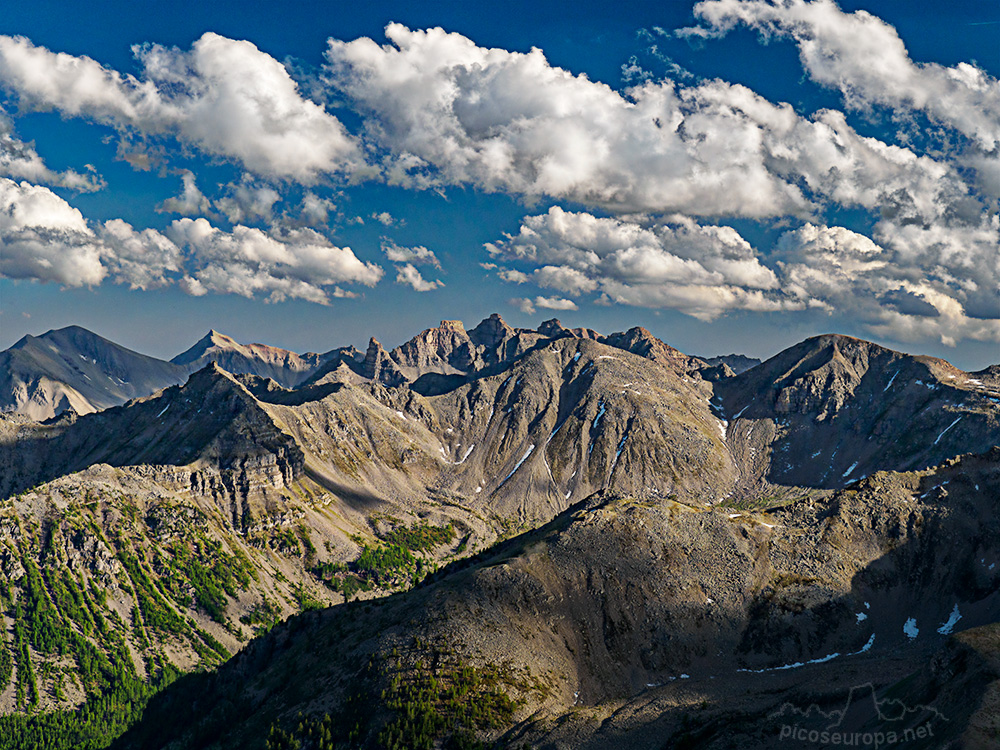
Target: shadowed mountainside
<point>614,621</point>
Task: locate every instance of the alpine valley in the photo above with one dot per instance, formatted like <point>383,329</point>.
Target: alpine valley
<point>496,537</point>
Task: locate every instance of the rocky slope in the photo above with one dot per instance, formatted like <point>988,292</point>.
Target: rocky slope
<point>662,517</point>
<point>643,622</point>
<point>553,427</point>
<point>833,409</point>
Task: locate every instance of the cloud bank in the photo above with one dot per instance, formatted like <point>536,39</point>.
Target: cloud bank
<point>45,239</point>
<point>658,174</point>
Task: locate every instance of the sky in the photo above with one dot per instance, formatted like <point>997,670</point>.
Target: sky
<point>734,175</point>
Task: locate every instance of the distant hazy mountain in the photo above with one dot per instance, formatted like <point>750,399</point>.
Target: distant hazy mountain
<point>72,368</point>
<point>283,367</point>
<point>736,362</point>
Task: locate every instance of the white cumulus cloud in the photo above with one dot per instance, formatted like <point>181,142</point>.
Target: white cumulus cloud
<point>191,201</point>
<point>299,263</point>
<point>866,60</point>
<point>408,274</point>
<point>708,271</point>
<point>44,238</point>
<point>530,306</point>
<point>701,270</point>
<point>418,254</point>
<point>842,270</point>
<point>224,96</point>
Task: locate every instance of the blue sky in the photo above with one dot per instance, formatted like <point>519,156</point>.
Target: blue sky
<point>734,175</point>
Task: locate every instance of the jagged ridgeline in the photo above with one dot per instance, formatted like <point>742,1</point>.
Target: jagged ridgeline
<point>156,537</point>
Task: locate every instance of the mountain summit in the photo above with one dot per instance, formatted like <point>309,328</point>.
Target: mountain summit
<point>281,365</point>
<point>72,368</point>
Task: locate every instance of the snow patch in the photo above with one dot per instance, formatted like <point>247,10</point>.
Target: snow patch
<point>861,616</point>
<point>948,428</point>
<point>523,459</point>
<point>910,628</point>
<point>618,453</point>
<point>796,665</point>
<point>559,427</point>
<point>853,467</point>
<point>621,447</point>
<point>891,381</point>
<point>947,627</point>
<point>162,410</point>
<point>600,413</point>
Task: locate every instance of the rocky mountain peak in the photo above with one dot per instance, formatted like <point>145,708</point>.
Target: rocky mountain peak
<point>552,328</point>
<point>491,332</point>
<point>446,349</point>
<point>378,365</point>
<point>212,340</point>
<point>283,366</point>
<point>640,341</point>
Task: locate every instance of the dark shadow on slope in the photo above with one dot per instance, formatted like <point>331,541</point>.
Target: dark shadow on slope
<point>928,560</point>
<point>357,498</point>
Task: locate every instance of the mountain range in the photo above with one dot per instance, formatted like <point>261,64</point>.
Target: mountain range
<point>72,368</point>
<point>549,536</point>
